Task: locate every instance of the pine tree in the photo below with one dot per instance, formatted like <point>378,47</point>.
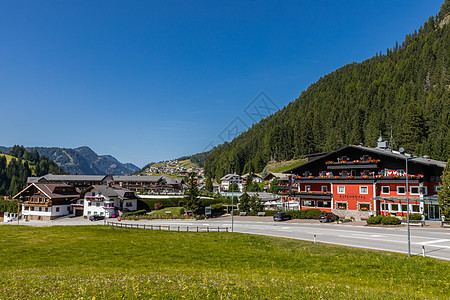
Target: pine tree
<point>208,184</point>
<point>244,202</point>
<point>248,182</point>
<point>255,203</point>
<point>274,186</point>
<point>444,193</point>
<point>192,199</point>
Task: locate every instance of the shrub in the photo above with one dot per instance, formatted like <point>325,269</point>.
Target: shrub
<point>149,204</point>
<point>415,217</point>
<point>374,220</point>
<point>385,220</point>
<point>389,220</point>
<point>159,206</point>
<point>135,213</point>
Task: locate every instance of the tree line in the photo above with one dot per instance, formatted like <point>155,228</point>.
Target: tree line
<point>405,91</point>
<point>14,175</point>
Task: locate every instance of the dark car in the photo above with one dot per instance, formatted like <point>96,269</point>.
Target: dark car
<point>281,216</point>
<point>96,218</point>
<point>328,217</point>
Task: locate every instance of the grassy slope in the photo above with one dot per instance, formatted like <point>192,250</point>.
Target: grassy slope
<point>9,158</point>
<point>88,261</point>
<point>278,167</point>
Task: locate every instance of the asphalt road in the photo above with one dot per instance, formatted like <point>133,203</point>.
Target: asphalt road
<point>436,241</point>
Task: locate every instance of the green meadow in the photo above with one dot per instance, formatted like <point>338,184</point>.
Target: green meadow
<point>98,262</point>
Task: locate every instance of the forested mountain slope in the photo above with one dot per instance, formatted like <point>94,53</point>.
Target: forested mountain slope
<point>16,168</point>
<point>406,90</point>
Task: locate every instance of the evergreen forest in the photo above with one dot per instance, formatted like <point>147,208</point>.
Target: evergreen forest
<point>403,92</point>
<point>13,175</point>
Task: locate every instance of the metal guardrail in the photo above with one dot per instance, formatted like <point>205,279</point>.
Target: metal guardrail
<point>169,227</point>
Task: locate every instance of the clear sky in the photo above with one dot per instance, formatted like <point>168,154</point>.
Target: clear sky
<point>152,80</point>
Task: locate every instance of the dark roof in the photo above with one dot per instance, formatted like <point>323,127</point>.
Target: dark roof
<point>51,190</point>
<point>109,191</point>
<point>386,152</point>
<point>137,178</point>
<point>67,178</point>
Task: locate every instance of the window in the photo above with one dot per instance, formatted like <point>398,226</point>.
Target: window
<point>46,209</point>
<point>98,204</point>
<point>404,206</point>
<point>414,190</point>
<point>324,204</point>
<point>385,206</point>
<point>385,190</point>
<point>89,203</point>
<point>363,190</point>
<point>307,188</point>
<point>394,207</point>
<point>437,188</point>
<point>324,188</point>
<point>415,208</point>
<point>57,209</point>
<point>401,190</point>
<point>341,189</point>
<point>309,203</point>
<point>341,205</point>
<point>89,213</point>
<point>363,206</point>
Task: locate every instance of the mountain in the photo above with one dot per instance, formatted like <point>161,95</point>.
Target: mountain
<point>405,91</point>
<point>16,167</point>
<point>83,160</point>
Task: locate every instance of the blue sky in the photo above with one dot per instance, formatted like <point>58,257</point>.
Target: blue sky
<point>153,80</point>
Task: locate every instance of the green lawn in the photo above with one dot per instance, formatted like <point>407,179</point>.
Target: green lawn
<point>174,211</point>
<point>99,262</point>
<point>278,167</point>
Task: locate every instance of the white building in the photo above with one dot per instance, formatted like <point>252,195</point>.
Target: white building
<point>46,201</point>
<point>105,200</point>
<point>229,179</point>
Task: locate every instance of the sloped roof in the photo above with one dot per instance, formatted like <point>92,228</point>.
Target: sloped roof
<point>386,152</point>
<point>109,191</point>
<point>50,189</point>
<point>137,178</point>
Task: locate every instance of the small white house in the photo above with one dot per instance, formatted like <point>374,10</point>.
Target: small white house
<point>106,200</point>
<point>229,179</point>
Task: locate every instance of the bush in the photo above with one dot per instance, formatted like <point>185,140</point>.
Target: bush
<point>415,217</point>
<point>374,220</point>
<point>159,206</point>
<point>149,204</point>
<point>389,220</point>
<point>385,220</point>
<point>135,213</point>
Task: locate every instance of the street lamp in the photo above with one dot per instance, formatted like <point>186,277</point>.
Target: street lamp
<point>402,151</point>
<point>232,206</point>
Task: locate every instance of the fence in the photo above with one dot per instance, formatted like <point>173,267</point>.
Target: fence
<point>170,228</point>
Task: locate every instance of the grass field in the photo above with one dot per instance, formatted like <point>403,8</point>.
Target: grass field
<point>278,167</point>
<point>99,262</point>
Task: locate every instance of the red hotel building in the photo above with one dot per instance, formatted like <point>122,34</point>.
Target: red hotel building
<point>359,182</point>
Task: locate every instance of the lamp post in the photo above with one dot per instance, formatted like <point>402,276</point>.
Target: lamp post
<point>232,207</point>
<point>402,151</point>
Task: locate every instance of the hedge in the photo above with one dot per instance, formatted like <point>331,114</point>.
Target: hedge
<point>135,213</point>
<point>149,204</point>
<point>8,206</point>
<point>385,220</point>
<point>415,217</point>
<point>295,214</point>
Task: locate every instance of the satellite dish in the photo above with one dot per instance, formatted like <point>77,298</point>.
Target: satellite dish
<point>401,150</point>
<point>380,139</point>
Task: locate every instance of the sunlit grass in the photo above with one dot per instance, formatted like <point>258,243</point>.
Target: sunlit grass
<point>103,262</point>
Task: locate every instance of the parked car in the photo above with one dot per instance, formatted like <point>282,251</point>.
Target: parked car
<point>281,216</point>
<point>328,217</point>
<point>96,218</point>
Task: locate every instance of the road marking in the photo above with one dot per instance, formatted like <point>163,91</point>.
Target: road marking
<point>434,242</point>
